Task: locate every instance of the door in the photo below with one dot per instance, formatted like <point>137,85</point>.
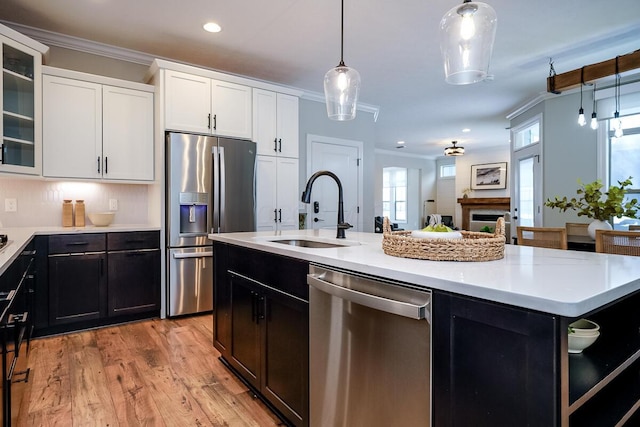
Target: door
<point>190,280</point>
<point>72,128</point>
<point>77,288</point>
<point>188,102</point>
<point>188,184</point>
<point>20,103</point>
<point>526,192</point>
<point>287,125</point>
<point>342,157</point>
<point>127,134</point>
<point>234,168</point>
<point>285,379</point>
<point>231,109</point>
<point>134,281</point>
<point>246,318</point>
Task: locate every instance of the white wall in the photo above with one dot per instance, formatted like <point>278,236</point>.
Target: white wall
<point>40,201</point>
<point>463,173</point>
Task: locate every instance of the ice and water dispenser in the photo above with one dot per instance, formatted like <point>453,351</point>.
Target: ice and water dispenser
<point>193,213</point>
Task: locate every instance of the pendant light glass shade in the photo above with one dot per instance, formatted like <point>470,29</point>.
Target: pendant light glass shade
<point>467,33</point>
<point>341,87</point>
<point>454,150</point>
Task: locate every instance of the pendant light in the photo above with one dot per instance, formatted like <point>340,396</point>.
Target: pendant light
<point>594,115</point>
<point>467,32</point>
<point>581,120</point>
<point>617,124</point>
<point>341,85</point>
<point>454,150</point>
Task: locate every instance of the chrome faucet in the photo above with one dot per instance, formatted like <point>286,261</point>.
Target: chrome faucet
<point>306,198</point>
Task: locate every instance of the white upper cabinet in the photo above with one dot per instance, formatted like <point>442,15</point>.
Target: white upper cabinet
<point>96,131</point>
<point>276,193</point>
<point>275,123</point>
<point>20,103</point>
<point>127,134</point>
<point>72,127</point>
<point>203,105</point>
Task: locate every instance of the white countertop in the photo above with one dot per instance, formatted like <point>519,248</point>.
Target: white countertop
<point>562,282</point>
<point>19,237</point>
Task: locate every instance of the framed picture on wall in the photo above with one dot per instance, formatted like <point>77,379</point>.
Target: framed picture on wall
<point>489,176</point>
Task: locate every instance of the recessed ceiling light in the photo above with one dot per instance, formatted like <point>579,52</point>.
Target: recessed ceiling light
<point>400,142</point>
<point>212,27</point>
<point>465,130</point>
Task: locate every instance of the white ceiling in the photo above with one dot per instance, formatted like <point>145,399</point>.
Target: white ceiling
<point>393,44</point>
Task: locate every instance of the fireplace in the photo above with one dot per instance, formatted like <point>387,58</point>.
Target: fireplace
<point>478,212</point>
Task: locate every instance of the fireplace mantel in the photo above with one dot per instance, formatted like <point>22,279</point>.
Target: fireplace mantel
<point>479,203</point>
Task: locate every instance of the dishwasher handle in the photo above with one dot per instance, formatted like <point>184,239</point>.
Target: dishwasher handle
<point>400,308</point>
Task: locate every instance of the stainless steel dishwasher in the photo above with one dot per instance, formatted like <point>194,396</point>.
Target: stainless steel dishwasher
<point>369,351</point>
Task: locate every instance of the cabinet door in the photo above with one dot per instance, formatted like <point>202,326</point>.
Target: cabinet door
<point>134,282</point>
<point>512,383</point>
<point>187,102</point>
<point>77,288</point>
<point>127,135</point>
<point>245,328</point>
<point>20,103</point>
<point>266,187</point>
<point>287,193</point>
<point>287,127</point>
<point>72,128</point>
<point>285,375</point>
<point>264,122</point>
<point>231,109</point>
<point>221,300</point>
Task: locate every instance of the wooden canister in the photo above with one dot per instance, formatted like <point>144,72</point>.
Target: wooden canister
<point>79,213</point>
<point>67,213</point>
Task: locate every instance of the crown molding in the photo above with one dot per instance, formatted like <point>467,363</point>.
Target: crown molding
<point>82,45</point>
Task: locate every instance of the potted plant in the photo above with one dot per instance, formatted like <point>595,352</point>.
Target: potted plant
<point>592,204</point>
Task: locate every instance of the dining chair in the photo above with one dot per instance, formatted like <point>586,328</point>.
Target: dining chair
<point>618,242</point>
<point>634,227</point>
<point>577,229</point>
<point>543,237</point>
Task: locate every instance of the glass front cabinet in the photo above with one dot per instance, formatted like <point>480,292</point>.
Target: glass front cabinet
<point>21,88</point>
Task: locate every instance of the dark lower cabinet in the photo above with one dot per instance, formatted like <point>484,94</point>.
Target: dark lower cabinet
<point>77,278</point>
<point>98,278</point>
<point>134,273</point>
<point>493,365</point>
<point>261,326</point>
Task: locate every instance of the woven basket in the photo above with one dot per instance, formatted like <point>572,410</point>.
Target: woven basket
<point>474,245</point>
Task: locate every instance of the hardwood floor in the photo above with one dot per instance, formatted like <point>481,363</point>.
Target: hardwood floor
<point>151,373</point>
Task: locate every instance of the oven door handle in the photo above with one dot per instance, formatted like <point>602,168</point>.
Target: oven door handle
<point>193,255</point>
<point>400,308</point>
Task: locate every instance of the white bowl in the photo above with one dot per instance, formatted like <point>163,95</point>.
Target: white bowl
<point>584,327</point>
<point>436,235</point>
<point>101,219</point>
<point>577,343</point>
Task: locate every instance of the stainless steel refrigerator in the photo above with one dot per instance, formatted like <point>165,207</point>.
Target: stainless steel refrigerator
<point>210,188</point>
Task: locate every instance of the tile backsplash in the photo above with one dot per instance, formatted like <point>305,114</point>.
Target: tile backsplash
<point>39,203</point>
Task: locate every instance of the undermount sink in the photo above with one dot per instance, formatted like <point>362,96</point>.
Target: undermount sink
<point>308,243</point>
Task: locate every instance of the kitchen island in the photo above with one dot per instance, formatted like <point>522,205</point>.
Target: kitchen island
<point>499,328</point>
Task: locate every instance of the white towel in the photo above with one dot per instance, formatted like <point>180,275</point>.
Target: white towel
<point>435,219</point>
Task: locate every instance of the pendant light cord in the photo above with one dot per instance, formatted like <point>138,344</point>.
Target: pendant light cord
<point>617,91</point>
<point>581,85</point>
<point>342,35</point>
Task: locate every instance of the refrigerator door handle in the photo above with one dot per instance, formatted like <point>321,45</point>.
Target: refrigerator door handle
<point>193,255</point>
<point>221,188</point>
<point>215,193</point>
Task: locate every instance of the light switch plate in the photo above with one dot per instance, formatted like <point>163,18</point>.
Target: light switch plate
<point>113,204</point>
<point>10,205</point>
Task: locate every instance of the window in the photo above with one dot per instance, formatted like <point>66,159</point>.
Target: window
<point>528,135</point>
<point>394,194</point>
<point>624,161</point>
<point>448,171</point>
